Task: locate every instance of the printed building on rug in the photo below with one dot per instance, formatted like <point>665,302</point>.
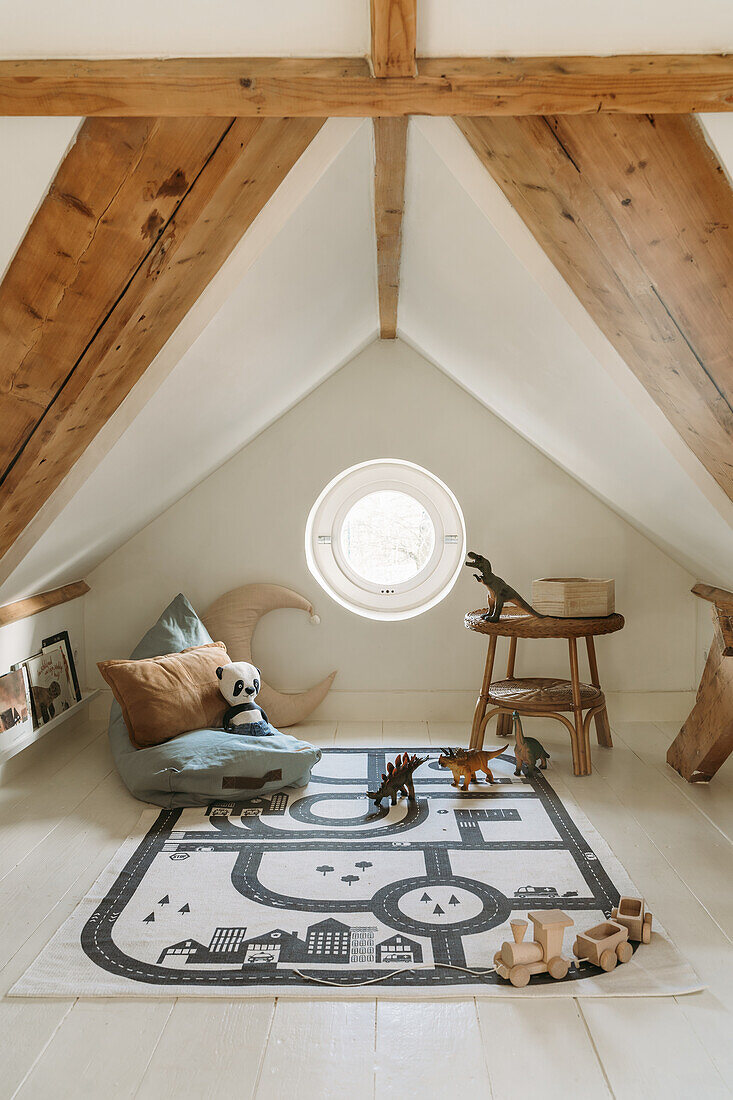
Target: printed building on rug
<point>329,941</point>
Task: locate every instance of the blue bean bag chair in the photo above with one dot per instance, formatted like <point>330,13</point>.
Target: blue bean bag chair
<point>190,770</point>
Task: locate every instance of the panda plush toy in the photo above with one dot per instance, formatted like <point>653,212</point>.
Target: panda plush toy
<point>239,683</point>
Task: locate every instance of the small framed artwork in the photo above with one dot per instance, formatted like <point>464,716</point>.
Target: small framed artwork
<point>16,715</point>
<point>51,686</point>
<point>60,643</point>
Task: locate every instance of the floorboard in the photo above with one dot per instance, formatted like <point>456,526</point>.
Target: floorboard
<point>405,735</point>
<point>358,733</point>
<point>430,1049</point>
<point>648,1049</point>
<point>709,1015</point>
<point>322,734</point>
<point>27,823</point>
<point>101,1047</point>
<point>209,1049</point>
<point>714,799</point>
<point>63,818</point>
<point>44,758</point>
<point>36,885</point>
<point>554,1035</point>
<point>322,1050</point>
<point>699,852</point>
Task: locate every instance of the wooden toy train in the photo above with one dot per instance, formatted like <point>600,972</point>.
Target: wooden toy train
<point>604,945</point>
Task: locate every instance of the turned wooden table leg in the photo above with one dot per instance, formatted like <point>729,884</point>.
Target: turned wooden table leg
<point>603,727</point>
<point>483,699</point>
<point>504,721</point>
<point>581,749</point>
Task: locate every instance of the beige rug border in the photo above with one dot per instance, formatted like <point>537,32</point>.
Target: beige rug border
<point>670,975</point>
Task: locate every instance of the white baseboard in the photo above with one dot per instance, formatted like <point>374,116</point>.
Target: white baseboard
<point>458,706</point>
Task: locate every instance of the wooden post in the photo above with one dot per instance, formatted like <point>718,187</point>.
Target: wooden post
<point>482,701</point>
<point>581,757</point>
<point>390,148</point>
<point>706,739</point>
<point>504,721</point>
<point>603,728</point>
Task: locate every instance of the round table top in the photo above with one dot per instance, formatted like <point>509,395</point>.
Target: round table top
<point>515,623</point>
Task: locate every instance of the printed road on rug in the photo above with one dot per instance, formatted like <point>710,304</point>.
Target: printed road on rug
<point>245,899</point>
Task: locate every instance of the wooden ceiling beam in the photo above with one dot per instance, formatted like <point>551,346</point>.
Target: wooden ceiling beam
<point>713,594</point>
<point>390,147</point>
<point>211,211</point>
<point>394,28</point>
<point>278,87</point>
<point>34,605</point>
<point>633,245</point>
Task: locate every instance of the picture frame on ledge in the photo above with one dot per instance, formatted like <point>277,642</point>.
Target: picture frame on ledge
<point>62,642</point>
<point>52,687</point>
<point>16,712</point>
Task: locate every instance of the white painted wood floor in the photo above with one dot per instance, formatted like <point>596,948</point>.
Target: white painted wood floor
<point>63,813</point>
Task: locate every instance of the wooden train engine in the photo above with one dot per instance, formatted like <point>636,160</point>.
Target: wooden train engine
<point>518,960</point>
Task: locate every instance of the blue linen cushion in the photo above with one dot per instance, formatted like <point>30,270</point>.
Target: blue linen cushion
<point>189,770</point>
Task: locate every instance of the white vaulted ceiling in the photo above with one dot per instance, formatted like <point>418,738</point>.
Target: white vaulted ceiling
<point>297,299</point>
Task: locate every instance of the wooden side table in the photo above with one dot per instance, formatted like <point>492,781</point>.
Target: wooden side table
<point>551,698</point>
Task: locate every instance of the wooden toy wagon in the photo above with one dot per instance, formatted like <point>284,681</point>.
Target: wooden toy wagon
<point>631,912</point>
<point>518,961</point>
<point>604,945</point>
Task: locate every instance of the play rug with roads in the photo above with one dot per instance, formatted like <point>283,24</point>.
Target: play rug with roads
<point>314,892</point>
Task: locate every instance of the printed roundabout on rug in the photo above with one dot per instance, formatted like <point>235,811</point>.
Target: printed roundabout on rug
<point>261,897</point>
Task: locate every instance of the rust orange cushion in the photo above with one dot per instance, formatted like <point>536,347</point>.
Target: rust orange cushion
<point>163,697</point>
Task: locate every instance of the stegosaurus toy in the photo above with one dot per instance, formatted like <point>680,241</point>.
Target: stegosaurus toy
<point>398,779</point>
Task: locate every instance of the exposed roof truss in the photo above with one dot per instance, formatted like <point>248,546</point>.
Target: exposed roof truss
<point>598,155</point>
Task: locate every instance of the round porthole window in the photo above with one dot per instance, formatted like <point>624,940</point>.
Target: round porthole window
<point>386,539</point>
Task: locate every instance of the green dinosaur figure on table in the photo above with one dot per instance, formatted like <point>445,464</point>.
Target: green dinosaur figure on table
<point>499,591</point>
<point>528,751</point>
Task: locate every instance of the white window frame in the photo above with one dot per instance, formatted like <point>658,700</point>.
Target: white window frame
<point>401,600</point>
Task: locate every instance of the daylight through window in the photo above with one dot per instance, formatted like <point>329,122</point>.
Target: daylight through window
<point>386,539</point>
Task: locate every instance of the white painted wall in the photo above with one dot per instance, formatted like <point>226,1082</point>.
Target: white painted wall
<point>21,639</point>
<point>246,521</point>
<point>106,28</point>
<point>507,28</point>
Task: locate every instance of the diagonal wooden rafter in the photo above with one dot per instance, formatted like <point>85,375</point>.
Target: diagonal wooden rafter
<point>338,86</point>
<point>183,202</point>
<point>390,148</point>
<point>637,215</point>
<point>116,189</point>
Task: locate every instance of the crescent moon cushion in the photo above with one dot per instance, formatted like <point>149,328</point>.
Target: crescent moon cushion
<point>234,616</point>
